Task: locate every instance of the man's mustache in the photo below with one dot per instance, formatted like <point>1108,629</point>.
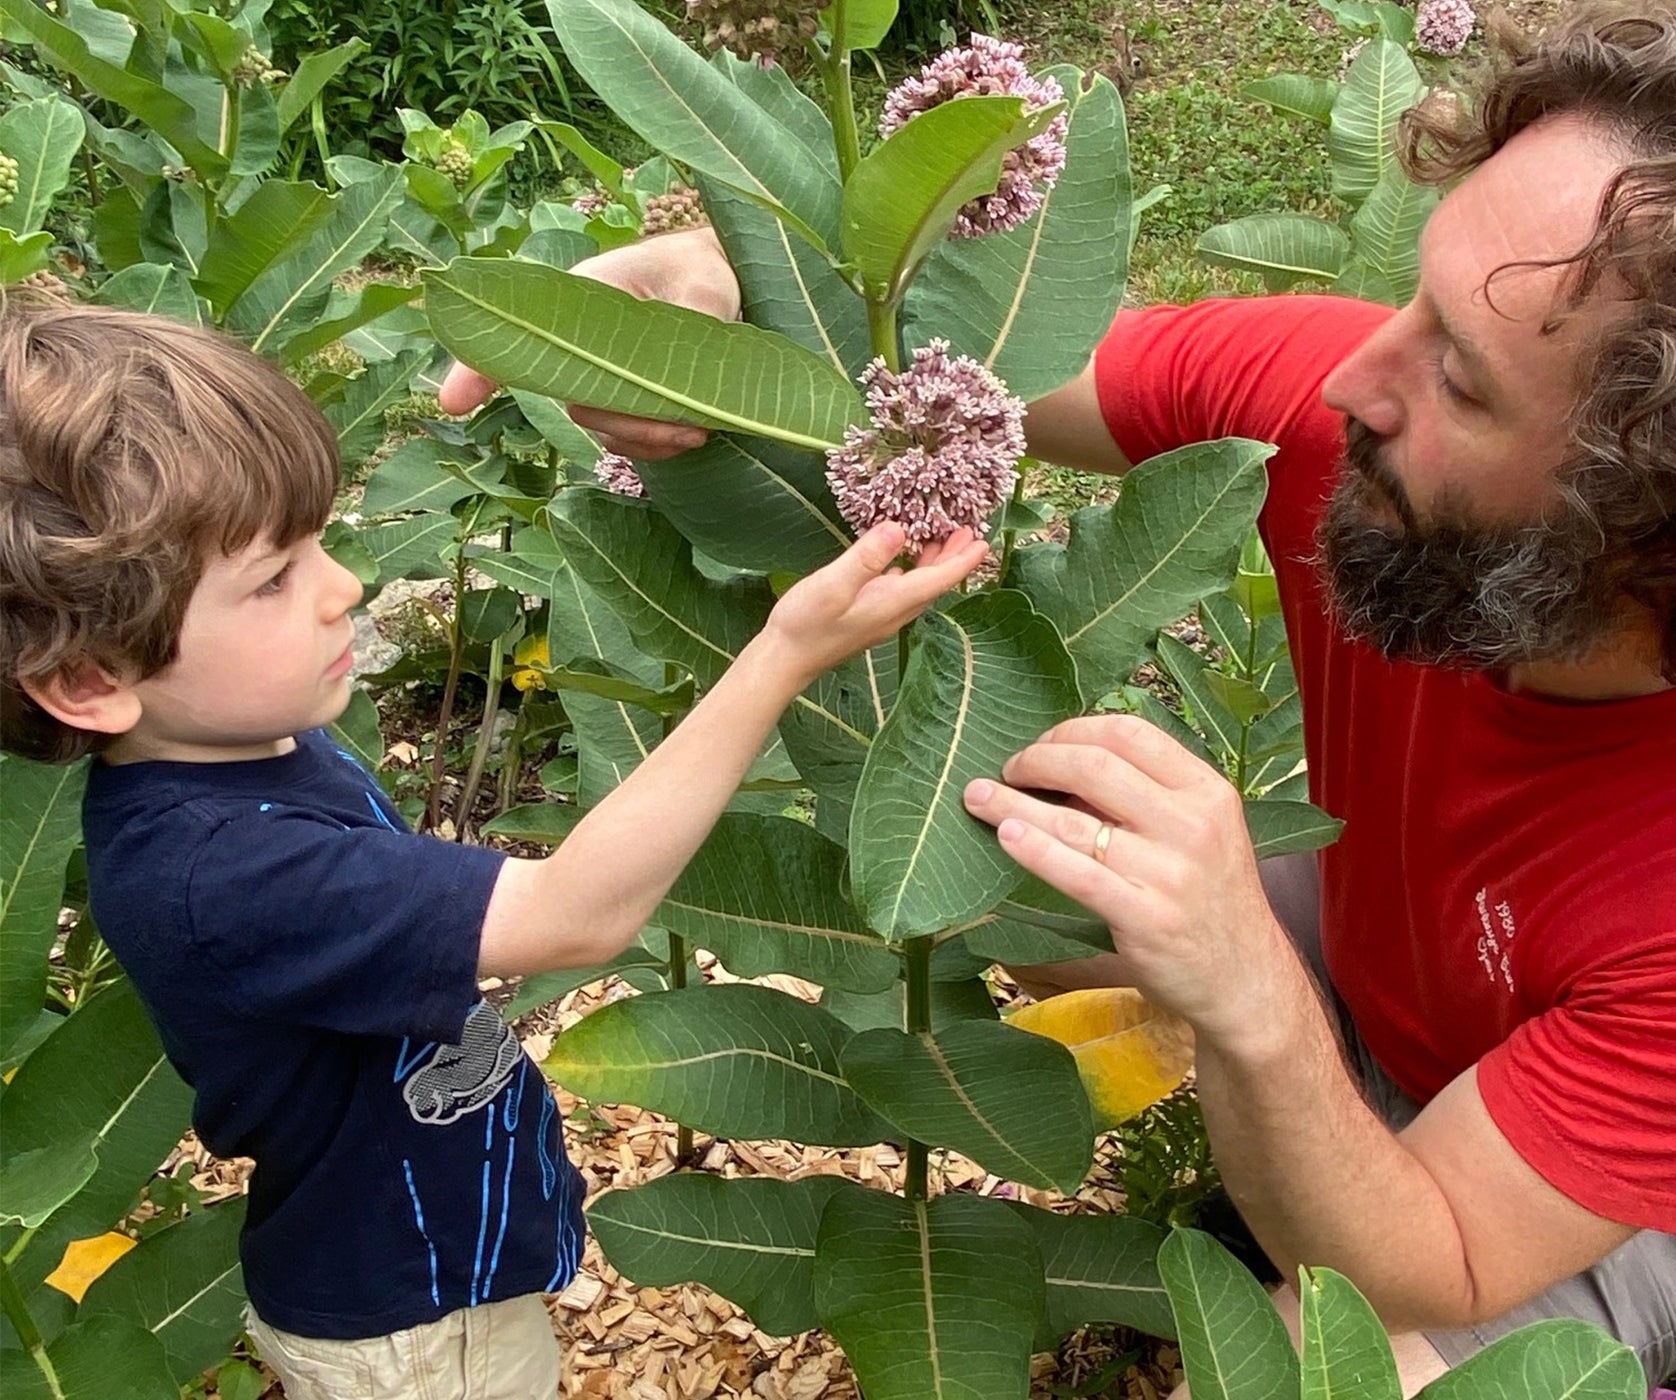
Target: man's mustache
<point>1363,454</point>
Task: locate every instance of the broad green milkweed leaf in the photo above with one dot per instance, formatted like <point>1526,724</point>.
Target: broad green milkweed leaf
<point>101,1358</point>
<point>858,24</point>
<point>751,504</point>
<point>169,115</point>
<point>101,1075</point>
<point>1283,249</point>
<point>42,136</point>
<point>686,109</point>
<point>903,197</point>
<point>1345,1351</point>
<point>311,77</point>
<point>1381,85</point>
<point>1173,535</point>
<point>1386,232</point>
<point>40,825</point>
<point>1098,1268</point>
<point>751,1241</point>
<point>577,340</point>
<point>736,1061</point>
<point>1562,1357</point>
<point>765,894</point>
<point>1295,95</point>
<point>1233,1344</point>
<point>156,288</point>
<point>984,679</point>
<point>34,1183</point>
<point>1008,1100</point>
<point>1032,303</point>
<point>275,220</point>
<point>1129,1053</point>
<point>184,1286</point>
<point>293,290</point>
<point>933,1301</point>
<point>1279,827</point>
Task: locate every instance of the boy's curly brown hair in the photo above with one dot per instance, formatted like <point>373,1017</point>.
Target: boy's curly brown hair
<point>130,448</point>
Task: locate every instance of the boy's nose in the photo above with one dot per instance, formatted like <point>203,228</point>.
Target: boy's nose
<point>346,589</point>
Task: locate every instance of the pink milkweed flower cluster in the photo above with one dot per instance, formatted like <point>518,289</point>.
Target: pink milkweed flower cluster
<point>1443,27</point>
<point>618,476</point>
<point>940,452</point>
<point>680,208</point>
<point>990,68</point>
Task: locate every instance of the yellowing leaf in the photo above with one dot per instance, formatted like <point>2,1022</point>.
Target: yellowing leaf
<point>1129,1053</point>
<point>532,651</point>
<point>85,1260</point>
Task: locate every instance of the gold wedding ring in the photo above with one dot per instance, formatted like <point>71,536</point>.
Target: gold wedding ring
<point>1103,841</point>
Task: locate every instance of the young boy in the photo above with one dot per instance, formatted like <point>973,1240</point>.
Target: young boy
<point>310,963</point>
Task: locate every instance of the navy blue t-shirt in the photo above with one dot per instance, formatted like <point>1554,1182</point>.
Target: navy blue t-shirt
<point>311,965</point>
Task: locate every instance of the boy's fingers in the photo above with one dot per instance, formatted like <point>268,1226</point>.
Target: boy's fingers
<point>874,552</point>
<point>463,389</point>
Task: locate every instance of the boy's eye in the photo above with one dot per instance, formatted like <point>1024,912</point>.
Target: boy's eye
<point>275,584</point>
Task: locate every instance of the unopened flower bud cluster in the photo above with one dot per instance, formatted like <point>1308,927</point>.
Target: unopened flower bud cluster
<point>254,67</point>
<point>761,29</point>
<point>680,208</point>
<point>990,68</point>
<point>456,163</point>
<point>1443,27</point>
<point>8,179</point>
<point>941,451</point>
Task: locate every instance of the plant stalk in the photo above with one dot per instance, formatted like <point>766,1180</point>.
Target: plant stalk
<point>840,96</point>
<point>917,1021</point>
<point>1009,536</point>
<point>677,944</point>
<point>485,730</point>
<point>881,326</point>
<point>456,657</point>
<point>17,1312</point>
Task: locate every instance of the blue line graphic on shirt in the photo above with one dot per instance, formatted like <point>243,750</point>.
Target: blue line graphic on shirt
<point>460,1078</point>
<point>419,1220</point>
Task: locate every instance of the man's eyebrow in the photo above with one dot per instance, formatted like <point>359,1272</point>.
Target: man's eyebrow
<point>1476,361</point>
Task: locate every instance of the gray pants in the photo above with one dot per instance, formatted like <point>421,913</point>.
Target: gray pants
<point>1631,1292</point>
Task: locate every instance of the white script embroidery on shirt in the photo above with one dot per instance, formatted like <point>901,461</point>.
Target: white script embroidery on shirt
<point>1495,944</point>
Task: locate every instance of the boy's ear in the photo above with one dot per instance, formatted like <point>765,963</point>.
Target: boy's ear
<point>84,695</point>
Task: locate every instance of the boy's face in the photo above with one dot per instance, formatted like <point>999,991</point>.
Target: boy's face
<point>264,655</point>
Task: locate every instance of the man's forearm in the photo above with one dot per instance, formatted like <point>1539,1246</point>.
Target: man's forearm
<point>1320,1180</point>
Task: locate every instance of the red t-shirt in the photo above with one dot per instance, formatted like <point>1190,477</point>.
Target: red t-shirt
<point>1504,894</point>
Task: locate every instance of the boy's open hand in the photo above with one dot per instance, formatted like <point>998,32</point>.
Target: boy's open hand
<point>860,599</point>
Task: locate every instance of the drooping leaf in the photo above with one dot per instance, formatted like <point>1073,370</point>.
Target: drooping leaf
<point>1098,1268</point>
<point>1283,249</point>
<point>1562,1357</point>
<point>751,503</point>
<point>1381,85</point>
<point>312,75</point>
<point>904,196</point>
<point>101,1075</point>
<point>156,288</point>
<point>930,1302</point>
<point>985,678</point>
<point>1345,1353</point>
<point>1009,1101</point>
<point>1278,827</point>
<point>272,223</point>
<point>1032,303</point>
<point>183,1285</point>
<point>294,290</point>
<point>1144,561</point>
<point>737,1061</point>
<point>42,136</point>
<point>765,894</point>
<point>1129,1053</point>
<point>688,110</point>
<point>1233,1344</point>
<point>40,824</point>
<point>581,341</point>
<point>751,1241</point>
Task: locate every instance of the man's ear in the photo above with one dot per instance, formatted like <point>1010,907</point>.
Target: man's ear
<point>84,695</point>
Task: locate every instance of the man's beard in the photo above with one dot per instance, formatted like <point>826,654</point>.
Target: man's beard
<point>1455,591</point>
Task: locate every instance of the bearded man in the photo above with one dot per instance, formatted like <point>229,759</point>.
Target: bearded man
<point>1441,1059</point>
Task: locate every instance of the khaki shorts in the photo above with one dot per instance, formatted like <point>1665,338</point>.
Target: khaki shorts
<point>1631,1292</point>
<point>497,1351</point>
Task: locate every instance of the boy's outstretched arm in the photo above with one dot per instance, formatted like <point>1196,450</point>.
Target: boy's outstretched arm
<point>586,902</point>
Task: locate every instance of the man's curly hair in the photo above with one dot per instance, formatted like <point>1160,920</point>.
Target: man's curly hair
<point>1613,66</point>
